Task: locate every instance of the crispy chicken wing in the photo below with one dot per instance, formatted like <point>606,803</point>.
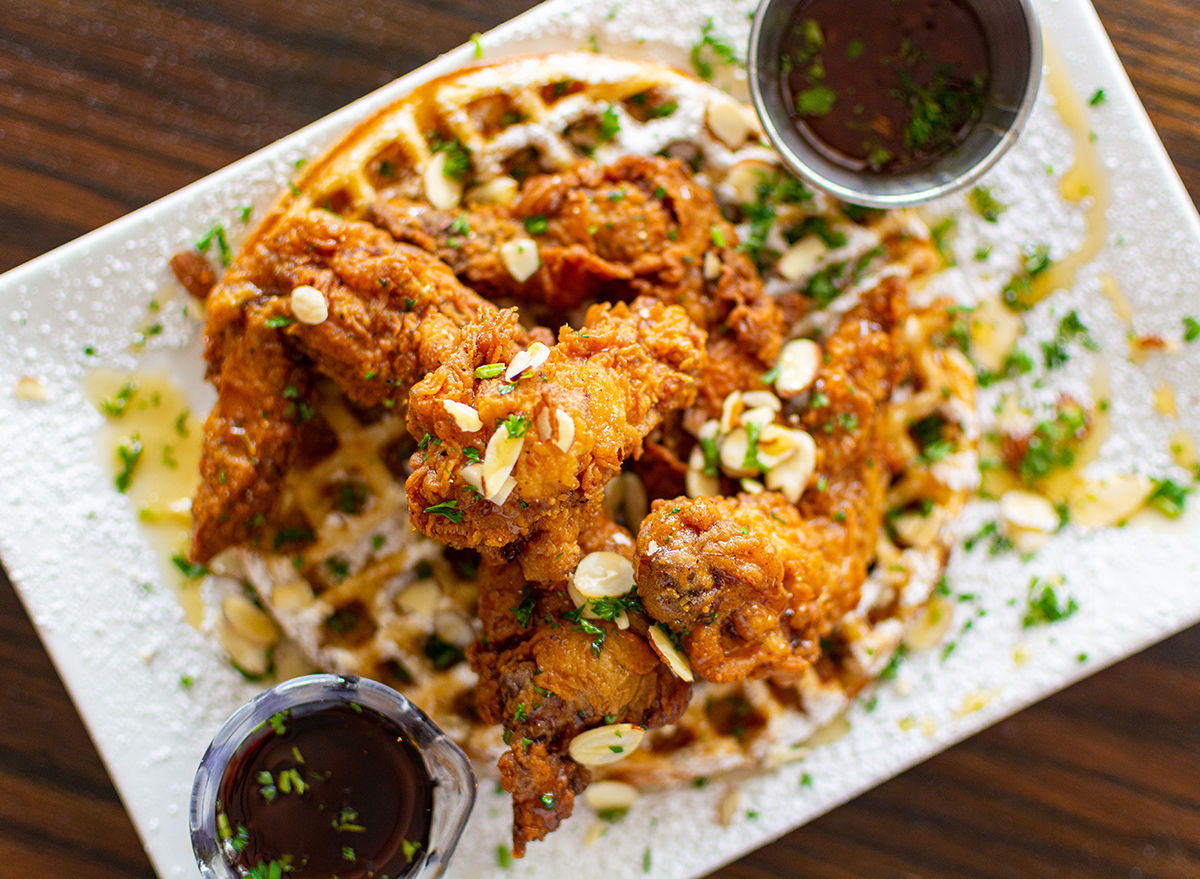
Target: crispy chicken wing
<point>640,226</point>
<point>754,582</point>
<point>547,677</point>
<point>513,461</point>
<point>395,313</point>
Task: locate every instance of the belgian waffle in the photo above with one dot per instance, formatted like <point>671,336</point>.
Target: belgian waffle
<point>362,593</point>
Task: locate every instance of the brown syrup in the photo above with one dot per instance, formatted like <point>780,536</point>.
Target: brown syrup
<point>361,810</point>
<point>884,85</point>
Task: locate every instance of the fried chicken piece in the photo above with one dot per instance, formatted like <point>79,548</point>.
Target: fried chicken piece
<point>547,679</point>
<point>754,582</point>
<point>395,313</point>
<point>640,226</point>
<point>516,468</point>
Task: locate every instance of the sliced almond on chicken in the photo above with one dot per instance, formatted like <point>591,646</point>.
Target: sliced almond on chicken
<point>798,364</point>
<point>466,417</point>
<point>499,458</point>
<point>443,192</point>
<point>605,744</point>
<point>675,661</point>
<point>566,430</point>
<point>520,256</point>
<point>603,575</point>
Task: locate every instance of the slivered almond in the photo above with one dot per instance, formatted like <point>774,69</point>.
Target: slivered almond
<point>527,360</point>
<point>760,416</point>
<point>421,598</point>
<point>499,458</point>
<point>752,486</point>
<point>730,410</point>
<point>603,575</point>
<point>30,389</point>
<point>543,424</point>
<point>472,475</point>
<point>801,259</point>
<point>798,364</point>
<point>500,190</point>
<point>726,121</point>
<point>249,621</point>
<point>746,177</point>
<point>675,661</point>
<point>605,744</point>
<point>443,192</point>
<point>777,443</point>
<point>566,430</point>
<point>520,256</point>
<point>1105,502</point>
<point>505,490</point>
<point>604,796</point>
<point>712,266</point>
<point>309,305</point>
<point>466,417</point>
<point>696,481</point>
<point>733,454</point>
<point>452,627</point>
<point>1024,509</point>
<point>791,476</point>
<point>762,400</point>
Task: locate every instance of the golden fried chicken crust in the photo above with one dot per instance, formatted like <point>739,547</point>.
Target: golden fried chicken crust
<point>546,678</point>
<point>573,420</point>
<point>754,583</point>
<point>395,313</point>
<point>638,227</point>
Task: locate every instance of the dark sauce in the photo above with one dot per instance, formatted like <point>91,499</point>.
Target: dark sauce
<point>884,85</point>
<point>337,792</point>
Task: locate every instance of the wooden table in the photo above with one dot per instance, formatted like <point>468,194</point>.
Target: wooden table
<point>106,105</point>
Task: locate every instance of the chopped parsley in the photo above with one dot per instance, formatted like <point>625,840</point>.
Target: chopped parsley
<point>986,204</point>
<point>711,48</point>
<point>129,453</point>
<point>516,425</point>
<point>1044,606</point>
<point>115,406</point>
<point>816,101</point>
<point>1053,444</point>
<point>442,653</point>
<point>1098,98</point>
<point>524,610</point>
<point>610,124</point>
<point>449,509</point>
<point>347,821</point>
<point>410,849</point>
<point>1191,329</point>
<point>216,233</point>
<point>458,157</point>
<point>536,225</point>
<point>1168,498</point>
<point>1016,363</point>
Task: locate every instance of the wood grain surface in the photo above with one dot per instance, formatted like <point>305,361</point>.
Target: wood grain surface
<point>106,105</point>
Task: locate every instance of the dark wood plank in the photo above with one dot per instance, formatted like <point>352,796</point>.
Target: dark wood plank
<point>106,106</point>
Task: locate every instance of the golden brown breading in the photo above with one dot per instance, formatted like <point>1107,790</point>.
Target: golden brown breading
<point>547,678</point>
<point>753,582</point>
<point>394,314</point>
<point>570,422</point>
<point>640,226</point>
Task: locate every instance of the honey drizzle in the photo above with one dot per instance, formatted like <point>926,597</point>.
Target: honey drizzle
<point>160,493</point>
<point>1087,177</point>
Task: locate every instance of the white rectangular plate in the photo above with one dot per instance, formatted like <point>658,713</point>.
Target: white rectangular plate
<point>76,555</point>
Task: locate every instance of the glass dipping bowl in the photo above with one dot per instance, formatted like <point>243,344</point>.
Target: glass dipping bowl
<point>449,768</point>
<point>1014,39</point>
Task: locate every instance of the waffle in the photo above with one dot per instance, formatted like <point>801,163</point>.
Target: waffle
<point>347,578</point>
